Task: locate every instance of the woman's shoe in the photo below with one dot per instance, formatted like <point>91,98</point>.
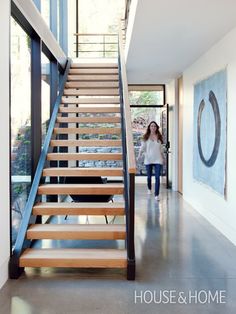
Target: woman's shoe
<point>149,192</point>
<point>157,198</point>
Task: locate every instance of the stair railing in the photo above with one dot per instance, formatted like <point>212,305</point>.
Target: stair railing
<point>129,163</point>
<point>92,45</point>
<point>21,243</point>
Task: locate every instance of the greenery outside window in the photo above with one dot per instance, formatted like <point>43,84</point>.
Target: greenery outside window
<point>20,124</point>
<point>45,67</point>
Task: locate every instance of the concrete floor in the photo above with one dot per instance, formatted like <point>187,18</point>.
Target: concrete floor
<point>182,263</point>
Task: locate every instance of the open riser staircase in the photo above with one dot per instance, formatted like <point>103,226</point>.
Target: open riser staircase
<point>85,143</point>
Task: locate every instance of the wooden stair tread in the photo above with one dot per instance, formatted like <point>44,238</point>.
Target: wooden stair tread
<point>103,130</point>
<point>86,143</point>
<point>94,65</point>
<point>76,172</point>
<point>88,84</point>
<point>73,205</point>
<point>88,119</point>
<point>84,156</point>
<point>89,109</point>
<point>76,231</point>
<point>101,258</point>
<point>80,208</point>
<point>93,71</point>
<point>91,92</point>
<point>81,189</point>
<point>92,77</point>
<point>93,100</point>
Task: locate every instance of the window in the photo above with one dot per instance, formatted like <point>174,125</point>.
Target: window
<point>45,11</point>
<point>92,20</point>
<point>20,123</point>
<point>45,66</point>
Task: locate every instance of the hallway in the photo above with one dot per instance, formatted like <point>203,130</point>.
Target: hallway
<point>176,249</point>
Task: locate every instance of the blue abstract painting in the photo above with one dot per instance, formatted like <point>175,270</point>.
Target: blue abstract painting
<point>209,148</point>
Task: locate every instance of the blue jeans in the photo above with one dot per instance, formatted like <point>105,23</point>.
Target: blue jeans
<point>157,177</point>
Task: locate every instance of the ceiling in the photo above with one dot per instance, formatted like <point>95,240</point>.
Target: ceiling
<point>169,35</point>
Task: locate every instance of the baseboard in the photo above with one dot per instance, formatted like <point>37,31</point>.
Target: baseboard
<point>215,221</point>
<point>3,273</point>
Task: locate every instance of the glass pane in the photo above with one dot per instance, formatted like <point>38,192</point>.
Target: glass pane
<point>58,20</point>
<point>20,123</point>
<point>145,98</point>
<point>45,11</point>
<point>93,20</point>
<point>45,95</point>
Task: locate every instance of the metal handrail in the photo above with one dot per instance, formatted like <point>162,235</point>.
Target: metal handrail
<point>104,50</point>
<point>128,164</point>
<point>125,94</point>
<point>21,241</point>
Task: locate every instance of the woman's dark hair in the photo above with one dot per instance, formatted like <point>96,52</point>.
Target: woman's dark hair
<point>158,133</point>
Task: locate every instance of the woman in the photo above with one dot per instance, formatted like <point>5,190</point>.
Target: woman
<point>152,148</point>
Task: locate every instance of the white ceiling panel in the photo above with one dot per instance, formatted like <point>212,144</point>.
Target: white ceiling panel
<point>169,35</point>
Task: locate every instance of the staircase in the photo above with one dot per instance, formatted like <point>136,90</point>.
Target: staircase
<point>88,116</point>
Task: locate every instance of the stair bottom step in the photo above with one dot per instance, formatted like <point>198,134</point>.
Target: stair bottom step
<point>81,258</point>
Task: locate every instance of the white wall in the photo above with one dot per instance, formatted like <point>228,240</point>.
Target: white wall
<point>130,26</point>
<point>4,140</point>
<point>172,100</point>
<point>219,211</point>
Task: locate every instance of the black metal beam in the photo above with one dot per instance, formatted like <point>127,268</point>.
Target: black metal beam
<point>53,84</point>
<point>47,52</point>
<point>36,106</point>
<point>53,95</point>
<point>36,129</point>
<point>21,20</point>
<point>164,94</point>
<point>130,222</point>
<point>129,179</point>
<point>167,147</point>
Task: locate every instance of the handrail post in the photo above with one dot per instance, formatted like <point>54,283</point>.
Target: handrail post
<point>130,243</point>
<point>128,164</point>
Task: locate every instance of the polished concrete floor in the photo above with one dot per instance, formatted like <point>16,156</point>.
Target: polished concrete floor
<point>184,265</point>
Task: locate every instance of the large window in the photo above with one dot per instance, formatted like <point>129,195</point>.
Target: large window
<point>20,123</point>
<point>45,67</point>
<point>45,11</point>
<point>92,20</point>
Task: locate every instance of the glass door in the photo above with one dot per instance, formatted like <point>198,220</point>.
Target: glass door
<point>147,104</point>
<point>164,124</point>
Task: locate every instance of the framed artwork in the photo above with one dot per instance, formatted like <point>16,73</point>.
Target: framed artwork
<point>209,142</point>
